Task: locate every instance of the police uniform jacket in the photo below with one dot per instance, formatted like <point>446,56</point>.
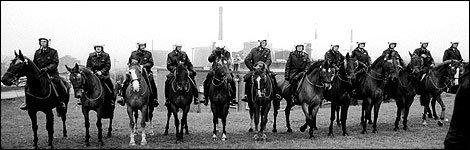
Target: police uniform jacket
<point>144,58</point>
<point>361,55</point>
<point>99,62</point>
<point>47,58</point>
<point>258,54</point>
<point>296,63</point>
<point>174,57</point>
<point>452,53</point>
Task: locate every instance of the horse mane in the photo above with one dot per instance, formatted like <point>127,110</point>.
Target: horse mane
<point>378,61</point>
<point>314,65</point>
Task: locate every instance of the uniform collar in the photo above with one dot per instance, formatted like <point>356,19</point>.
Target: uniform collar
<point>99,54</point>
<point>45,49</point>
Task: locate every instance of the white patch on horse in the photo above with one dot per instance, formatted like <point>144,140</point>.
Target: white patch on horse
<point>135,82</point>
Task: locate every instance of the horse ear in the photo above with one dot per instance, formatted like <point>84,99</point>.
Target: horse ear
<point>76,66</point>
<point>68,68</point>
<point>411,55</point>
<point>347,55</point>
<point>16,54</point>
<point>20,55</point>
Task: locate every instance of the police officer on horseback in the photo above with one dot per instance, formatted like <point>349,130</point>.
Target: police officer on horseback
<point>100,63</point>
<point>452,53</point>
<point>333,56</point>
<point>260,53</point>
<point>175,57</point>
<point>296,66</point>
<point>47,60</point>
<point>390,53</point>
<point>219,53</point>
<point>428,61</point>
<point>360,54</point>
<point>144,58</point>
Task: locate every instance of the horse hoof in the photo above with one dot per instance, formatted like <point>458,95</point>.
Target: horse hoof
<point>440,123</point>
<point>289,130</point>
<point>50,147</point>
<point>143,143</point>
<point>101,143</point>
<point>330,134</point>
<point>424,124</point>
<point>255,137</point>
<point>405,128</point>
<point>274,130</point>
<point>166,133</point>
<point>186,132</point>
<point>250,130</point>
<point>35,147</point>
<point>363,132</point>
<point>395,129</point>
<point>311,137</point>
<point>345,134</point>
<point>87,144</point>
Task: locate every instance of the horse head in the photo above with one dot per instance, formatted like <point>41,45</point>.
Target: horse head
<point>353,67</point>
<point>416,63</point>
<point>260,79</point>
<point>220,68</point>
<point>77,78</point>
<point>135,71</point>
<point>19,67</point>
<point>182,79</point>
<point>327,73</point>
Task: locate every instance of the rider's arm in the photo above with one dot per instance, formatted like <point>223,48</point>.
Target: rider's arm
<point>107,64</point>
<point>188,63</point>
<point>149,62</point>
<point>88,61</point>
<point>446,55</point>
<point>248,60</point>
<point>268,58</point>
<point>288,67</point>
<point>55,61</point>
<point>169,64</point>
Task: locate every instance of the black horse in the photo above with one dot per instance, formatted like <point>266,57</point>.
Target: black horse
<point>310,90</point>
<point>92,93</point>
<point>219,97</point>
<point>369,83</point>
<point>42,94</point>
<point>179,98</point>
<point>433,84</point>
<point>340,94</point>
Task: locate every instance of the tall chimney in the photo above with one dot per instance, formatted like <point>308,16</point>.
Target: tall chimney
<point>220,22</point>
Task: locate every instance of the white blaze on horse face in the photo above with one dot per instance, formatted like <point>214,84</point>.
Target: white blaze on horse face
<point>258,79</point>
<point>135,82</point>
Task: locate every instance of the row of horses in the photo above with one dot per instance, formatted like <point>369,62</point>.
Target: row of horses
<point>321,81</point>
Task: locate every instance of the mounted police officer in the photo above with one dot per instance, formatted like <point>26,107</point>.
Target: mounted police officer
<point>260,53</point>
<point>333,56</point>
<point>390,52</point>
<point>360,54</point>
<point>100,63</point>
<point>453,53</point>
<point>428,61</point>
<point>220,53</point>
<point>174,58</point>
<point>296,66</point>
<point>144,58</point>
<point>47,60</point>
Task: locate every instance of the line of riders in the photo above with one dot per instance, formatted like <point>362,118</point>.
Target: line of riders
<point>47,61</point>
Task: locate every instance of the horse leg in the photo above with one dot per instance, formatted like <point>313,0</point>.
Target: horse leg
<point>367,109</point>
<point>400,106</point>
<point>376,115</point>
<point>184,120</point>
<point>433,107</point>
<point>409,101</point>
<point>110,128</point>
<point>307,117</point>
<point>276,105</point>
<point>443,110</point>
<point>224,123</point>
<point>177,123</point>
<point>100,129</point>
<point>87,125</point>
<point>264,120</point>
<point>337,116</point>
<point>64,119</point>
<point>149,119</point>
<point>256,120</point>
<point>131,125</point>
<point>144,111</point>
<point>287,113</point>
<point>215,121</point>
<point>313,111</point>
<point>252,116</point>
<point>50,127</point>
<point>168,115</point>
<point>344,116</point>
<point>34,125</point>
<point>332,118</point>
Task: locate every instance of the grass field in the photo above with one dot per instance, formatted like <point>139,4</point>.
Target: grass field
<point>16,130</point>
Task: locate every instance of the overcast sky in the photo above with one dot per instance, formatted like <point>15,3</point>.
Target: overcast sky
<point>75,27</point>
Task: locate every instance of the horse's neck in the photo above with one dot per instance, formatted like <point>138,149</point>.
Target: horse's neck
<point>35,80</point>
<point>92,85</point>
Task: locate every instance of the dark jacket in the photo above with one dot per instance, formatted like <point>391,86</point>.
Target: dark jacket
<point>219,53</point>
<point>361,55</point>
<point>296,63</point>
<point>334,57</point>
<point>48,59</point>
<point>428,60</point>
<point>144,58</point>
<point>99,62</point>
<point>389,53</point>
<point>452,53</point>
<point>175,56</point>
<point>258,54</point>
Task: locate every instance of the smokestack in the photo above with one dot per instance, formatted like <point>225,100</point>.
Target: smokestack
<point>220,23</point>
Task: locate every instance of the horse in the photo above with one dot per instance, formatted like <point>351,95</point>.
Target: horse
<point>370,87</point>
<point>434,83</point>
<point>180,99</point>
<point>340,95</point>
<point>405,89</point>
<point>137,98</point>
<point>262,93</point>
<point>310,89</point>
<point>219,97</point>
<point>41,94</point>
<point>92,93</point>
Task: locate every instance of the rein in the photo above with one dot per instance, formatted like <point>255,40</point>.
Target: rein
<point>310,82</point>
<point>101,88</point>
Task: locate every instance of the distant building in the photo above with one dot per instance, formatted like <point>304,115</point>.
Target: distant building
<point>69,61</point>
<point>159,58</point>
